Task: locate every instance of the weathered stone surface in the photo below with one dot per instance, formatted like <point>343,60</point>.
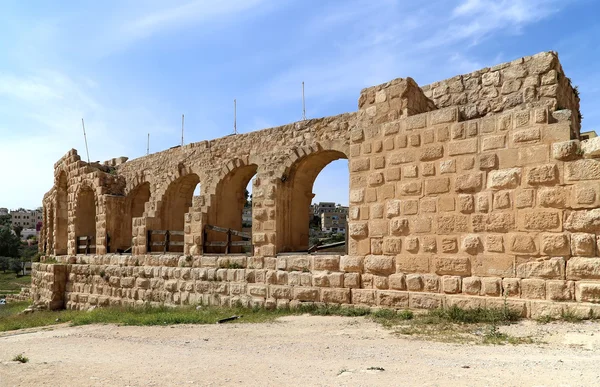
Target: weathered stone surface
<point>504,178</point>
<point>591,147</point>
<point>452,266</point>
<point>383,265</point>
<point>553,268</point>
<point>579,268</point>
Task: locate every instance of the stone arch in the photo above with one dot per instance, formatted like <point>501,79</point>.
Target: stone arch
<point>295,194</point>
<point>175,204</point>
<point>227,200</point>
<point>86,211</point>
<point>134,207</point>
<point>61,220</point>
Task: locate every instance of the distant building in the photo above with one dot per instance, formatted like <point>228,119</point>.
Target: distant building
<point>28,232</point>
<point>322,207</point>
<point>588,135</point>
<point>247,215</point>
<point>334,222</point>
<point>3,211</point>
<point>26,218</point>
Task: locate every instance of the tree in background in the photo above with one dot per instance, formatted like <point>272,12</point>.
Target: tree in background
<point>9,243</point>
<point>5,220</point>
<point>17,230</point>
<point>4,264</point>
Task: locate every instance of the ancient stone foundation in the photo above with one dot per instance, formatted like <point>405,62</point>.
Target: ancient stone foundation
<point>473,191</point>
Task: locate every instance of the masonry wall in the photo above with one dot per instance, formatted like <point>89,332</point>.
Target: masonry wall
<point>463,191</point>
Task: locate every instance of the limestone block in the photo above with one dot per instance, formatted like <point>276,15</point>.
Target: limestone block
<point>383,265</point>
<point>533,289</point>
<point>488,161</point>
<point>452,266</point>
<point>437,186</point>
<point>579,268</point>
<point>542,174</point>
<point>491,286</point>
<point>523,244</point>
<point>425,301</point>
<point>449,245</point>
<point>553,268</point>
<point>560,290</point>
<point>462,147</point>
<point>526,135</point>
<point>414,282</point>
<point>566,150</point>
<point>451,284</point>
<point>471,244</point>
<point>326,262</point>
<point>392,245</point>
<point>585,194</point>
<point>587,291</point>
<point>358,230</point>
<point>399,226</point>
<point>469,182</point>
<point>397,281</point>
<point>431,283</point>
<point>392,299</point>
<point>504,178</point>
<point>511,287</point>
<point>541,220</point>
<point>336,296</point>
<point>431,152</point>
<point>306,294</point>
<point>392,208</point>
<point>447,166</point>
<point>583,244</point>
<point>591,147</point>
<point>586,220</point>
<point>349,263</point>
<point>556,197</point>
<point>587,169</point>
<point>352,280</point>
<point>471,285</point>
<point>494,243</point>
<point>363,296</point>
<point>555,244</point>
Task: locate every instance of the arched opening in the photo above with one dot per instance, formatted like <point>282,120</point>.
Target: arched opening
<point>135,205</point>
<point>176,203</point>
<point>62,216</point>
<point>231,208</point>
<point>295,212</point>
<point>85,222</point>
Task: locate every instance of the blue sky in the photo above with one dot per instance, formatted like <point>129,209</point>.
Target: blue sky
<point>130,67</point>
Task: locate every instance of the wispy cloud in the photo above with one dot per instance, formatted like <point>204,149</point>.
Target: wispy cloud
<point>180,16</point>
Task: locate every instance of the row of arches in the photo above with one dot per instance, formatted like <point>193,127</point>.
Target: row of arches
<point>222,207</point>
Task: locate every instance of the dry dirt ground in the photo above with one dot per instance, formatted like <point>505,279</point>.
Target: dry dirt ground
<point>298,351</point>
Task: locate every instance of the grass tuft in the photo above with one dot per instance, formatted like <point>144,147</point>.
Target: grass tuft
<point>20,358</point>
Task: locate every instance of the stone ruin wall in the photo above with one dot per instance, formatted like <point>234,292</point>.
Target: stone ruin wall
<point>472,191</point>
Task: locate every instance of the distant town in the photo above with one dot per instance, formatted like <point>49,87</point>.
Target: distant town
<point>29,222</point>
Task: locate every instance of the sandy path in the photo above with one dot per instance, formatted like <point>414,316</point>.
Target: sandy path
<point>298,350</point>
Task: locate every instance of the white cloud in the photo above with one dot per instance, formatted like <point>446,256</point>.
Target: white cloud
<point>179,16</point>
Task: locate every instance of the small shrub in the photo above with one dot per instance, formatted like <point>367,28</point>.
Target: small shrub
<point>20,358</point>
<point>234,265</point>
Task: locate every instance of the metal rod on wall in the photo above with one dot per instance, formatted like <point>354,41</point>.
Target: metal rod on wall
<point>85,139</point>
<point>235,116</point>
<point>148,145</point>
<point>182,121</point>
<point>303,104</point>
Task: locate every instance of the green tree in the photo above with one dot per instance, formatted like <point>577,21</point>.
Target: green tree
<point>9,243</point>
<point>17,230</point>
<point>17,266</point>
<point>4,264</point>
<point>5,220</point>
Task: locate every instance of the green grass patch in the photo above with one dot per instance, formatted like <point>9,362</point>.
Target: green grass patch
<point>450,324</point>
<point>11,284</point>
